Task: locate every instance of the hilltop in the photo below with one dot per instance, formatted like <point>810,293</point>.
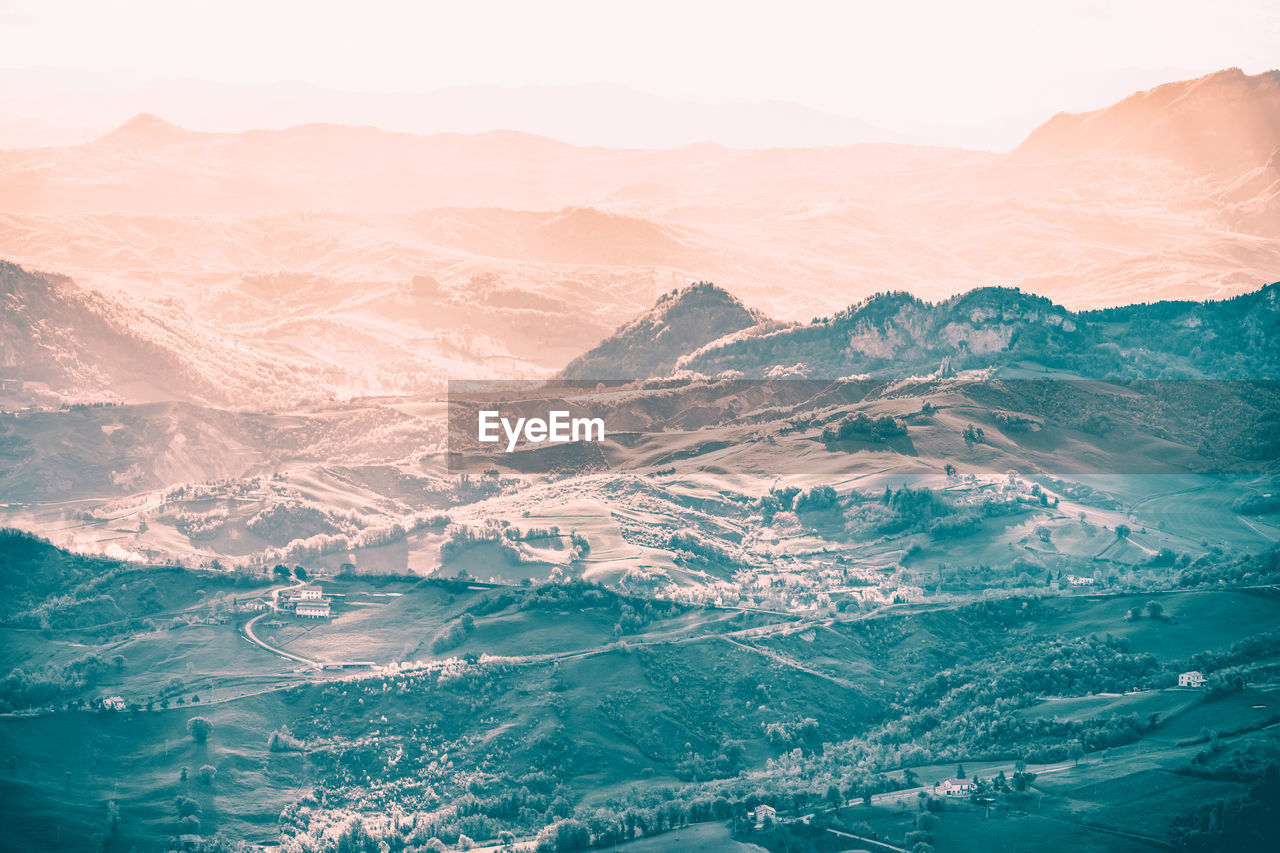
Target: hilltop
<point>680,322</point>
<point>897,334</point>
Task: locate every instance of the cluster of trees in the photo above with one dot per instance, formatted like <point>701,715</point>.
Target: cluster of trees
<point>1153,610</point>
<point>728,761</point>
<point>694,550</point>
<point>861,427</point>
<point>1256,503</point>
<point>283,521</point>
<point>580,544</point>
<point>1246,569</point>
<point>52,683</point>
<point>1010,422</point>
<point>793,499</point>
<point>900,511</point>
<point>1247,822</point>
<point>458,538</point>
<point>795,731</point>
<point>201,526</point>
<point>371,536</point>
<point>905,511</point>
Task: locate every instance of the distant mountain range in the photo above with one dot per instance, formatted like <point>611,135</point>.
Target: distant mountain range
<point>41,112</point>
<point>1223,126</point>
<point>270,266</point>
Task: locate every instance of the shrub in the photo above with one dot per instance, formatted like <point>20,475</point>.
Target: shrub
<point>199,728</point>
<point>282,740</point>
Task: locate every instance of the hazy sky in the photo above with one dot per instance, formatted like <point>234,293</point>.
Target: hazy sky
<point>974,73</point>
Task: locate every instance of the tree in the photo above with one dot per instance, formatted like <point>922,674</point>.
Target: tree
<point>207,774</point>
<point>280,571</point>
<point>186,806</point>
<point>1122,531</point>
<point>1155,610</point>
<point>199,728</point>
<point>300,573</point>
<point>1076,751</point>
<point>833,796</point>
<point>959,771</point>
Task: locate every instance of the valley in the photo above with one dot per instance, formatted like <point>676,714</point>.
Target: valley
<point>935,509</point>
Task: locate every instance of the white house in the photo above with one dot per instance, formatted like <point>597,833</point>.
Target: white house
<point>1194,678</point>
<point>313,609</point>
<point>1077,580</point>
<point>954,788</point>
<point>765,816</point>
<point>311,593</point>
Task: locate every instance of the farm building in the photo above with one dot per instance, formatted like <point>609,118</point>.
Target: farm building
<point>954,788</point>
<point>313,609</point>
<point>1194,678</point>
<point>1077,580</point>
<point>311,593</point>
<point>765,816</point>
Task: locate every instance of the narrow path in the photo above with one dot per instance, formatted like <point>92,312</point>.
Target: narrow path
<point>275,650</point>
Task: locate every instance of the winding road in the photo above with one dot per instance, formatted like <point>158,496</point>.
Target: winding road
<point>247,630</point>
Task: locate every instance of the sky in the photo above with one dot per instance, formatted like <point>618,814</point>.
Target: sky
<point>978,74</point>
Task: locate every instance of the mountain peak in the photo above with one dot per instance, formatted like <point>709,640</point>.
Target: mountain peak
<point>149,128</point>
<point>1224,123</point>
<point>681,321</point>
<point>698,293</point>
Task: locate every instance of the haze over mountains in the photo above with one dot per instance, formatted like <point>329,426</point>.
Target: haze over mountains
<point>43,110</point>
<point>539,248</point>
<point>154,211</point>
